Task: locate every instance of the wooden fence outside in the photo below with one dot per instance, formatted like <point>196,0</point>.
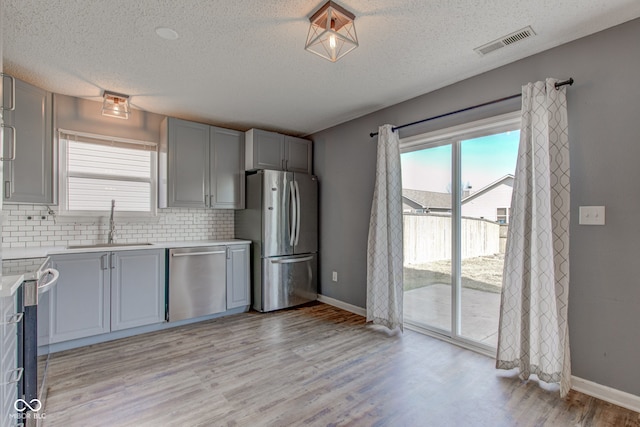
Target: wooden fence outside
<point>427,237</point>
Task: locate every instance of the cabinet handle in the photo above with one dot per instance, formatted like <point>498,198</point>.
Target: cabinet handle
<point>210,200</point>
<point>228,253</point>
<point>15,318</point>
<point>13,143</point>
<point>16,374</point>
<point>103,263</point>
<point>7,189</point>
<point>111,262</point>
<point>206,200</point>
<point>13,92</point>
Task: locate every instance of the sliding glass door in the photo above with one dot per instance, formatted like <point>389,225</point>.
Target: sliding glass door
<point>456,199</point>
<point>427,243</point>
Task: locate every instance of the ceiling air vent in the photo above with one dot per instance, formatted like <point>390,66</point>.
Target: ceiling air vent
<point>505,41</point>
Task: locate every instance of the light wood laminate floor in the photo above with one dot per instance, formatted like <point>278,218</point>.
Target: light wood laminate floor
<point>312,366</point>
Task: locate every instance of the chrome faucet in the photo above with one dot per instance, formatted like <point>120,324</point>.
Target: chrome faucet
<point>112,224</point>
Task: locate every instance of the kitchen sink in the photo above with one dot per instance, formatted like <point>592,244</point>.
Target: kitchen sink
<point>107,245</point>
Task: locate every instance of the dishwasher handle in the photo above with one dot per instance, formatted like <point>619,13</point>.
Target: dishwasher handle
<point>198,253</point>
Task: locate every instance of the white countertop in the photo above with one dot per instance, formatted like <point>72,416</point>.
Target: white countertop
<point>44,251</point>
<point>10,285</point>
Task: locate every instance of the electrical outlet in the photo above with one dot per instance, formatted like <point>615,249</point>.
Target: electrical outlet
<point>334,276</point>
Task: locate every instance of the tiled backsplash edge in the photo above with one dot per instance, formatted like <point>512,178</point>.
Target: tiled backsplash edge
<point>27,225</point>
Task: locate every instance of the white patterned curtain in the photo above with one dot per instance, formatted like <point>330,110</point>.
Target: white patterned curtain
<point>533,331</point>
<point>385,250</point>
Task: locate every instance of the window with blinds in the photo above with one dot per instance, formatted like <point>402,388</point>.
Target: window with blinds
<point>96,169</point>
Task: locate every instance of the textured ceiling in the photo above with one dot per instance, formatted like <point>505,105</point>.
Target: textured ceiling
<point>241,63</point>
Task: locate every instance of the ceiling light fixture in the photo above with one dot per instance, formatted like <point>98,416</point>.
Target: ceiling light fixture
<point>115,105</point>
<point>332,33</point>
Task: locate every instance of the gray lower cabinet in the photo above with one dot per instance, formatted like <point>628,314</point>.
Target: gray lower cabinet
<point>238,285</point>
<point>79,303</point>
<point>8,360</point>
<point>200,166</point>
<point>106,291</point>
<point>271,150</point>
<point>137,288</point>
<point>28,178</point>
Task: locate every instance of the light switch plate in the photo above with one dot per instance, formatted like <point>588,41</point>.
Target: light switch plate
<point>591,215</point>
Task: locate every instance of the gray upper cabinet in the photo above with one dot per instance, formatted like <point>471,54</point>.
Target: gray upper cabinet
<point>200,166</point>
<point>270,150</point>
<point>183,164</point>
<point>226,184</point>
<point>298,154</point>
<point>28,178</point>
<point>265,150</point>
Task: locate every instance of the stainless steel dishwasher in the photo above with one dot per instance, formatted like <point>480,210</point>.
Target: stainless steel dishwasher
<point>197,282</point>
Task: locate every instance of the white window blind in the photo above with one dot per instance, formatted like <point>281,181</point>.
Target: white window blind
<point>96,169</point>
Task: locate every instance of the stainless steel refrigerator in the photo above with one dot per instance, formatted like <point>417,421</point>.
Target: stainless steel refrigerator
<point>281,220</point>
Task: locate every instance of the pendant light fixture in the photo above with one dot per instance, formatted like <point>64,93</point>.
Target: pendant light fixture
<point>332,33</point>
<point>115,105</point>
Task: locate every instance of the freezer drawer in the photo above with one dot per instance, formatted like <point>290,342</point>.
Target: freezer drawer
<point>197,282</point>
<point>286,282</point>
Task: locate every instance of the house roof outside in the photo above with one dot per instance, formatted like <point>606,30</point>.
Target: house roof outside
<point>507,179</point>
<point>431,200</point>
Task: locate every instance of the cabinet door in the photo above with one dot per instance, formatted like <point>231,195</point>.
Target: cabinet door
<point>238,291</point>
<point>29,177</point>
<point>298,154</point>
<point>137,288</point>
<point>267,149</point>
<point>188,164</point>
<point>227,169</point>
<point>79,303</point>
<point>8,360</point>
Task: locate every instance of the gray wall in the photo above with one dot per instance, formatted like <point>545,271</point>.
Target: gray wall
<point>604,133</point>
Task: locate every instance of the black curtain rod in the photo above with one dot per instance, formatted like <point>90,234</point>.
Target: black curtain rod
<point>495,101</point>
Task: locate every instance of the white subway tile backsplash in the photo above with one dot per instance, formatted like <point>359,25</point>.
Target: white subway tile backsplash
<point>173,225</point>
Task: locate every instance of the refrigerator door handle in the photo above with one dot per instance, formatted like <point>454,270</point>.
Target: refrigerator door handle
<point>292,225</point>
<point>299,212</point>
<point>291,260</point>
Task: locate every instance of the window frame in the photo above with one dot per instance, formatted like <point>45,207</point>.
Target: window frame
<point>63,211</point>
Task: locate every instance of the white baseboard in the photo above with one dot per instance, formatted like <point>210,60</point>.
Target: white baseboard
<point>608,394</point>
<point>343,305</point>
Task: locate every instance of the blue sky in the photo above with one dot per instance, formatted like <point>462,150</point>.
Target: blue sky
<point>484,160</point>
